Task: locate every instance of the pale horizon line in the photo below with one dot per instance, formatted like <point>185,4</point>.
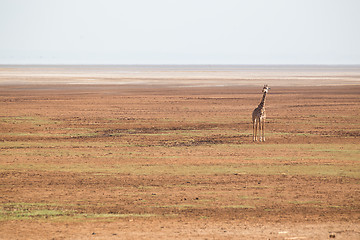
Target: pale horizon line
<point>182,64</point>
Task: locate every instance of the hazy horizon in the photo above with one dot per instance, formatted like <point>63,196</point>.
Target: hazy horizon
<point>172,32</point>
<point>355,65</point>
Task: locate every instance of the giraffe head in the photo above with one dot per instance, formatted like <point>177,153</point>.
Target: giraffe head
<point>265,89</point>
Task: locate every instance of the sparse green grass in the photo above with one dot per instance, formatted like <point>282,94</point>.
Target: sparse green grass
<point>21,211</point>
<point>59,144</point>
<point>58,212</point>
<point>311,202</point>
<point>52,135</point>
<point>27,119</point>
<point>115,215</point>
<point>251,197</point>
<point>178,206</point>
<point>179,169</point>
<point>239,206</point>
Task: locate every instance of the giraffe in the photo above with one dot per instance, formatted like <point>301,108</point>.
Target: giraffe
<point>258,117</point>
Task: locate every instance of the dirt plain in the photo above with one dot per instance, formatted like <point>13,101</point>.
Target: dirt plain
<point>166,162</point>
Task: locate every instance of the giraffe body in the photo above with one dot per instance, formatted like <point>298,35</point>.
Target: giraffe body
<point>259,117</point>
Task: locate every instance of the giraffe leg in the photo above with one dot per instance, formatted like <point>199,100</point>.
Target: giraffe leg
<point>255,129</point>
<point>254,132</point>
<point>263,130</point>
<point>260,130</point>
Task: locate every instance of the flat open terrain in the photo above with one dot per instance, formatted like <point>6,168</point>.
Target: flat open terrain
<point>163,162</point>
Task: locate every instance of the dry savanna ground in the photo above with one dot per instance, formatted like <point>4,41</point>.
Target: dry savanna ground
<point>145,162</point>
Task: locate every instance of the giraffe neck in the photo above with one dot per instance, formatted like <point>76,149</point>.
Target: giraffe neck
<point>262,103</point>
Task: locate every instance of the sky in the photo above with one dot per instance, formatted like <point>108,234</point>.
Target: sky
<point>179,32</point>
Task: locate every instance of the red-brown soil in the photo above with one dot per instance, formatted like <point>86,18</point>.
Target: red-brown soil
<point>166,162</point>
